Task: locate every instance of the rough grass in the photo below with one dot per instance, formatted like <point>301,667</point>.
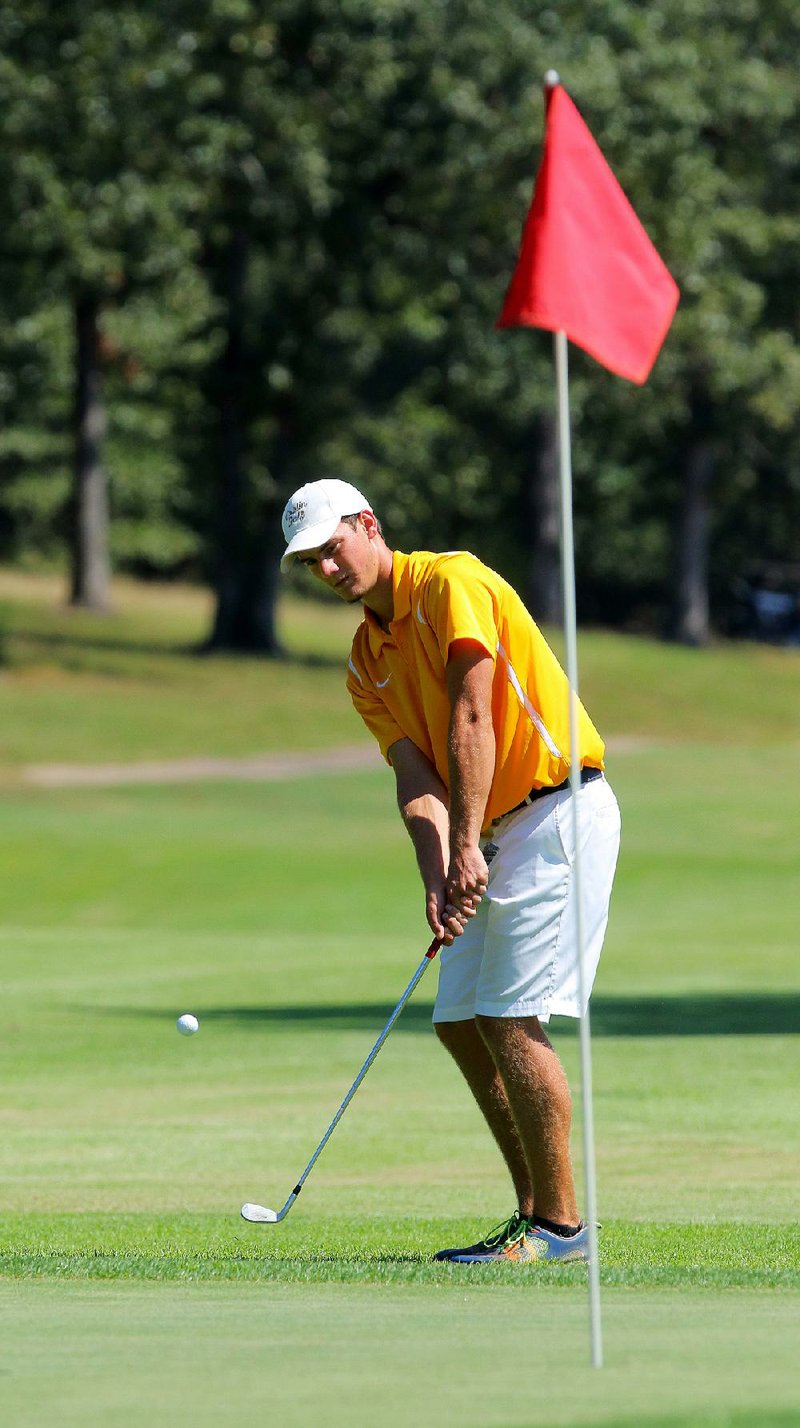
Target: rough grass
<point>378,1249</point>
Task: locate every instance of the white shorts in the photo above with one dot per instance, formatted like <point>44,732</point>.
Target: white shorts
<point>519,956</point>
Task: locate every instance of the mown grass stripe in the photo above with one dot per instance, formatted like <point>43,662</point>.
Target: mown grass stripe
<point>380,1271</point>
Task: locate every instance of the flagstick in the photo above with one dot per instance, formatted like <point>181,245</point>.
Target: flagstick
<point>571,636</point>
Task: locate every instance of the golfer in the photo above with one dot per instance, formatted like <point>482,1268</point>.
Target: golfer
<point>470,708</point>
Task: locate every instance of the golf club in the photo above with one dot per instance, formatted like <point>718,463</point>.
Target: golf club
<point>259,1214</point>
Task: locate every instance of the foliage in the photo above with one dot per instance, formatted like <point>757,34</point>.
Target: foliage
<point>371,164</point>
<point>98,209</point>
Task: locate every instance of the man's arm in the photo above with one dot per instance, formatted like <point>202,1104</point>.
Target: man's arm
<point>422,800</point>
<point>471,759</point>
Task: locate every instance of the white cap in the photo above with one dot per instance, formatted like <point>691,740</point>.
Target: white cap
<point>313,513</point>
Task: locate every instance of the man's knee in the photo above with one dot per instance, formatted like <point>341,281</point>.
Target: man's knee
<point>500,1030</point>
<point>454,1035</point>
<point>493,1029</point>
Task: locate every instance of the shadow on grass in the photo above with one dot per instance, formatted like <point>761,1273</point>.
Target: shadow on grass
<point>66,649</point>
<point>707,1014</point>
<point>733,1014</point>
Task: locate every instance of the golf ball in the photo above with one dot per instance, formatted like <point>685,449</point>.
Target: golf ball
<point>188,1024</point>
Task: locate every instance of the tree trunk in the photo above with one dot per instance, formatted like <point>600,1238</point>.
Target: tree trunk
<point>230,534</point>
<point>246,589</point>
<point>543,523</point>
<point>692,620</point>
<point>90,516</point>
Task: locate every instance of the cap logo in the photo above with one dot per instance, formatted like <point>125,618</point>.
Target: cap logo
<point>297,513</point>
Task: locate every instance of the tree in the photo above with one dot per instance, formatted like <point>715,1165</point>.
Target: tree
<point>326,202</point>
<point>95,203</point>
<point>694,105</point>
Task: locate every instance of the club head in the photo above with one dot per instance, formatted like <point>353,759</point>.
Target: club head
<point>259,1215</point>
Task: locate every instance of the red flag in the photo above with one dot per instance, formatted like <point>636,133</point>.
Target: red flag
<point>586,266</point>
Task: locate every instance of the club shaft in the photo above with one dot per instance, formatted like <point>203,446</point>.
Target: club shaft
<point>421,969</point>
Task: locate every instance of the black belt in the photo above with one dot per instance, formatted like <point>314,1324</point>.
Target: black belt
<point>587,776</point>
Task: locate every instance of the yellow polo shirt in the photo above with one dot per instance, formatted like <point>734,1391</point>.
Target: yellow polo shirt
<point>398,684</point>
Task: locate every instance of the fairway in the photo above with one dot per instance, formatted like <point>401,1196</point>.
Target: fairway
<point>287,916</point>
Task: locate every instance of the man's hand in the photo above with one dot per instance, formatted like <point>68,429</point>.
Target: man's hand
<point>450,905</point>
<point>467,880</point>
<point>445,920</point>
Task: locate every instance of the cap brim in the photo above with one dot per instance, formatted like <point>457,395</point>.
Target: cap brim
<point>308,539</point>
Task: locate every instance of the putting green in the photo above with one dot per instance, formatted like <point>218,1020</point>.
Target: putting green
<point>131,1354</point>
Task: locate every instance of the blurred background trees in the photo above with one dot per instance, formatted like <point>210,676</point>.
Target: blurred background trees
<point>244,247</point>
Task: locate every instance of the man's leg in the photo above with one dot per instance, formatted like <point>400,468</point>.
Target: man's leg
<point>539,1101</point>
<point>475,1061</point>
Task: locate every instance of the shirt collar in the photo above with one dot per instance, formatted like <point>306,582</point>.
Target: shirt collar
<point>401,585</point>
<point>401,598</point>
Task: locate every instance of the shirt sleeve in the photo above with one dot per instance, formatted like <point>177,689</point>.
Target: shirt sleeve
<point>460,605</point>
<point>376,716</point>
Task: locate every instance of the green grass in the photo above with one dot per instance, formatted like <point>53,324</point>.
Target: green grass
<point>76,686</point>
<point>210,1353</point>
<point>93,688</point>
<point>378,1249</point>
<point>288,917</point>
